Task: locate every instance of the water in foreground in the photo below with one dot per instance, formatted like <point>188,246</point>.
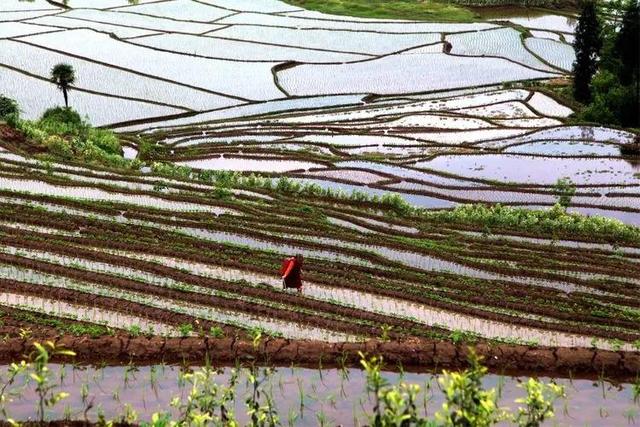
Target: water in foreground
<point>303,397</point>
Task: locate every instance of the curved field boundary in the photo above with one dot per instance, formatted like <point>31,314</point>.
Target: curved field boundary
<point>456,308</point>
<point>414,355</point>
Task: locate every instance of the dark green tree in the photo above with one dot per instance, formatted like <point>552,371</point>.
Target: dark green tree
<point>627,49</point>
<point>587,46</point>
<point>63,75</point>
<point>8,107</point>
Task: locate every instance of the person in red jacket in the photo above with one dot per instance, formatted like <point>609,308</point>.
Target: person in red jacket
<point>292,272</point>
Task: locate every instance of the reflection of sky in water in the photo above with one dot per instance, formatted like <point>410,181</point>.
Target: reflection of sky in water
<point>324,391</point>
<point>536,170</point>
<point>564,148</point>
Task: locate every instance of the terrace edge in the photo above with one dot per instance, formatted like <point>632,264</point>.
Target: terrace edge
<point>413,354</point>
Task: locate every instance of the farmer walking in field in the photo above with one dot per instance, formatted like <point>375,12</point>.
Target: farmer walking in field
<point>291,272</point>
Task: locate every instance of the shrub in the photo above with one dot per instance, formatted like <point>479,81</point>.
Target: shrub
<point>612,102</point>
<point>171,170</point>
<point>216,332</point>
<point>105,140</point>
<point>59,146</point>
<point>67,136</point>
<point>8,107</point>
<point>221,193</point>
<point>135,330</point>
<point>564,189</point>
<point>62,115</point>
<point>467,402</point>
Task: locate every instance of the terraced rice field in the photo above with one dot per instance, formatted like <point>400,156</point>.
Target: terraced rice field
<point>348,104</point>
<point>173,255</point>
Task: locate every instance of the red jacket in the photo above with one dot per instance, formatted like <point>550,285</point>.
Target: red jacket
<point>292,273</point>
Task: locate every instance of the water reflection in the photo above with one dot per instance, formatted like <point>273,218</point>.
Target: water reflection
<point>306,394</point>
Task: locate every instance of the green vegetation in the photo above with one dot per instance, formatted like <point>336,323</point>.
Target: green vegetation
<point>185,329</point>
<point>399,9</point>
<point>63,76</point>
<point>548,221</point>
<point>61,325</point>
<point>283,185</point>
<point>65,136</point>
<point>607,70</point>
<point>467,402</point>
<point>208,402</point>
<point>8,108</point>
<point>135,330</point>
<point>551,221</point>
<point>216,332</point>
<point>564,190</point>
<point>587,44</point>
<point>420,10</point>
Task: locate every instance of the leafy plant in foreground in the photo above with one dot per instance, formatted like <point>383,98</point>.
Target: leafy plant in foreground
<point>207,402</point>
<point>467,402</point>
<point>539,402</point>
<point>40,373</point>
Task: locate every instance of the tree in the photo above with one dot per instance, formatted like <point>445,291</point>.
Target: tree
<point>587,46</point>
<point>627,45</point>
<point>8,107</point>
<point>63,75</point>
<point>627,48</point>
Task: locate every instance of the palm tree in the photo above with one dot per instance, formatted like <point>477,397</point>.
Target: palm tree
<point>63,75</point>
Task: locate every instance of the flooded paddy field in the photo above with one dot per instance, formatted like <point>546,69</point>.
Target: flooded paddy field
<point>421,185</point>
<point>172,247</point>
<point>304,395</point>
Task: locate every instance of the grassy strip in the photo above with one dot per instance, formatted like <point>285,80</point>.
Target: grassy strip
<point>64,326</point>
<point>552,222</point>
<point>555,222</point>
<point>398,9</point>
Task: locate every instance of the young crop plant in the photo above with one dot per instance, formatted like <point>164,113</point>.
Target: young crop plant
<point>135,330</point>
<point>40,373</point>
<point>467,403</point>
<point>539,402</point>
<point>185,329</point>
<point>216,332</point>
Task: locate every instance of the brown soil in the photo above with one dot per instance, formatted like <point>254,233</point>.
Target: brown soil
<point>294,300</point>
<point>548,311</point>
<point>9,134</point>
<point>16,142</point>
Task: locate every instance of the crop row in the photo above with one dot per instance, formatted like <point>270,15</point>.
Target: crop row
<point>405,296</point>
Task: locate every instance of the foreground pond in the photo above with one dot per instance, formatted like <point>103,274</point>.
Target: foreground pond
<point>307,396</point>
